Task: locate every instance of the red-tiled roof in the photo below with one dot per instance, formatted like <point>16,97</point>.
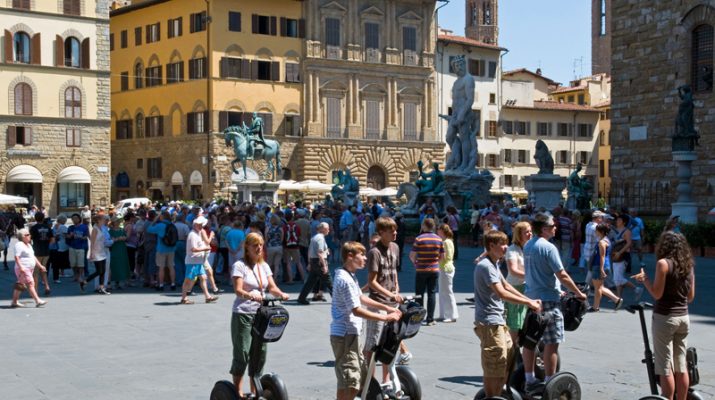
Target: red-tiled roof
<point>604,103</point>
<point>568,89</point>
<point>526,71</point>
<point>467,41</point>
<point>555,106</point>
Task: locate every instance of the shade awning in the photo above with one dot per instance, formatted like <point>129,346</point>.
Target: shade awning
<point>9,199</point>
<point>24,173</point>
<point>74,175</point>
<point>177,178</point>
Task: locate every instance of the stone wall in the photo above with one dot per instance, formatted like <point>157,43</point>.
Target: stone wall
<point>600,45</point>
<point>651,59</point>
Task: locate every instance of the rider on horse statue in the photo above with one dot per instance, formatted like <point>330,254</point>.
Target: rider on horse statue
<point>254,134</point>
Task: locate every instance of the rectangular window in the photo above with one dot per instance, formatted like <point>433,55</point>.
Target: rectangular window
<point>562,157</point>
<point>333,117</point>
<point>19,135</point>
<point>602,19</point>
<point>234,21</point>
<point>124,81</point>
<point>372,35</point>
<point>264,70</point>
<point>410,123</point>
<point>522,157</point>
<point>492,129</point>
<point>491,160</point>
<point>581,99</point>
<point>138,36</point>
<point>175,27</point>
<point>543,128</point>
<point>124,129</point>
<point>570,99</point>
<point>71,7</point>
<point>140,163</point>
<point>372,119</point>
<point>111,42</point>
<point>522,128</point>
<point>507,156</point>
<point>175,72</point>
<point>21,4</point>
<point>153,168</point>
<point>73,137</point>
<point>584,157</point>
<point>473,67</point>
<point>509,180</point>
<point>153,32</point>
<point>585,130</point>
<point>562,129</point>
<point>233,68</point>
<point>290,27</point>
<point>492,98</point>
<point>409,38</point>
<point>196,122</point>
<point>332,32</point>
<point>507,127</point>
<point>154,126</point>
<point>197,22</point>
<point>292,72</point>
<point>492,69</point>
<point>197,68</point>
<point>264,25</point>
<point>153,76</point>
<point>601,168</point>
<point>123,39</point>
<point>292,125</point>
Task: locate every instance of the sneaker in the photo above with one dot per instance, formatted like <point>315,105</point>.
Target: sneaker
<point>639,293</point>
<point>103,291</point>
<point>470,299</point>
<point>535,386</point>
<point>173,287</point>
<point>619,303</point>
<point>40,303</point>
<point>591,309</point>
<point>449,320</point>
<point>58,281</point>
<point>217,291</point>
<point>17,305</point>
<point>81,285</point>
<point>303,302</point>
<point>430,323</point>
<point>404,358</point>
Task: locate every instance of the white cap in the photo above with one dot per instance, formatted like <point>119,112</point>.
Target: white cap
<point>200,221</point>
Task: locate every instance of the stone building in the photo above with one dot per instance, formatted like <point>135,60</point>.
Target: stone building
<point>657,47</point>
<point>369,98</point>
<point>482,21</point>
<point>601,26</point>
<point>55,70</point>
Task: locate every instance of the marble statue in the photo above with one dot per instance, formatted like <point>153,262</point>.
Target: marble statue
<point>463,125</point>
<point>543,158</point>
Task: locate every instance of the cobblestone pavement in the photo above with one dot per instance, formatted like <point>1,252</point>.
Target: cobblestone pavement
<point>137,344</point>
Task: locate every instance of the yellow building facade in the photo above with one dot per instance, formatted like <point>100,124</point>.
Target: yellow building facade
<point>182,71</point>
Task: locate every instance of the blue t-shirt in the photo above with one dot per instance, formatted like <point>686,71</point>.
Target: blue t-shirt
<point>234,238</point>
<point>541,262</point>
<point>636,228</point>
<point>159,229</point>
<point>488,306</point>
<point>81,234</point>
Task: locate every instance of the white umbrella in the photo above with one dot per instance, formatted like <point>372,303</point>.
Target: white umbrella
<point>286,185</point>
<point>387,192</point>
<point>314,186</point>
<point>368,191</point>
<point>9,199</point>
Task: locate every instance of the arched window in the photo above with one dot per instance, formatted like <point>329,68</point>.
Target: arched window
<point>376,177</point>
<point>487,13</point>
<point>701,73</point>
<point>21,45</point>
<point>72,52</point>
<point>602,138</point>
<point>140,125</point>
<point>138,76</point>
<point>73,103</point>
<point>23,99</point>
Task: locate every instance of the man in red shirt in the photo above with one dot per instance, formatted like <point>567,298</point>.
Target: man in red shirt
<point>427,251</point>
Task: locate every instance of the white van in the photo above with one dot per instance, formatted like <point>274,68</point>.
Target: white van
<point>121,206</point>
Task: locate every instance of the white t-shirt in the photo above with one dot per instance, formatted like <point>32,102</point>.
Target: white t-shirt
<point>255,281</point>
<point>26,255</point>
<point>514,252</point>
<point>194,241</point>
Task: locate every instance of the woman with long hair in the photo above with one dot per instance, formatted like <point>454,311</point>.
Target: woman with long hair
<point>447,303</point>
<point>252,279</point>
<point>516,313</point>
<point>600,268</point>
<point>97,254</point>
<point>672,288</point>
<point>623,256</point>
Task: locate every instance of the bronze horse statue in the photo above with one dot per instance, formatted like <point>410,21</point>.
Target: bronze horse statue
<point>237,137</point>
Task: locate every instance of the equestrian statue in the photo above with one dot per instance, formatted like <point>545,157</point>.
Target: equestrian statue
<point>248,144</point>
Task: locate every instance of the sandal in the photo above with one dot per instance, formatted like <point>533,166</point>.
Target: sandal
<point>17,305</point>
<point>619,303</point>
<point>187,301</point>
<point>211,299</point>
<point>591,309</point>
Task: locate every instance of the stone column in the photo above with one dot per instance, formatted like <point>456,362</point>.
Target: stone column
<point>685,207</point>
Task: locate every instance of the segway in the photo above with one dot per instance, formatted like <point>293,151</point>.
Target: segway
<point>403,383</point>
<point>649,360</point>
<point>268,326</point>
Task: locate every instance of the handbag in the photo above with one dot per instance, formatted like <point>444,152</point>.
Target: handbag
<point>617,247</point>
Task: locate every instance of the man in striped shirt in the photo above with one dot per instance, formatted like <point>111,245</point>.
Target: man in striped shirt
<point>427,251</point>
<point>590,243</point>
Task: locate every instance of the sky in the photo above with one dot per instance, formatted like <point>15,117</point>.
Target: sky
<point>554,35</point>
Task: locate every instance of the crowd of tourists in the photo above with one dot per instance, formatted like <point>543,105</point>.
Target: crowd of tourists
<point>527,252</point>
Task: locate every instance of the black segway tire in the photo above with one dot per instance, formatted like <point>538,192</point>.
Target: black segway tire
<point>273,387</point>
<point>505,395</point>
<point>374,391</point>
<point>517,379</point>
<point>409,382</point>
<point>562,386</point>
<point>653,397</point>
<point>694,395</point>
<point>224,390</point>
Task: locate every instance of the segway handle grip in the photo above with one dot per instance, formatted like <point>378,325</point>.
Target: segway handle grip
<point>270,300</point>
<point>638,307</point>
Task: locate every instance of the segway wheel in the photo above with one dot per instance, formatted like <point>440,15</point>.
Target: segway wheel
<point>409,382</point>
<point>505,395</point>
<point>273,387</point>
<point>224,390</point>
<point>562,386</point>
<point>517,379</point>
<point>653,397</point>
<point>374,390</point>
<point>694,395</point>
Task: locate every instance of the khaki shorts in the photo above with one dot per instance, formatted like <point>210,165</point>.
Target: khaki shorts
<point>670,341</point>
<point>496,348</point>
<point>164,260</point>
<point>349,366</point>
<point>77,258</point>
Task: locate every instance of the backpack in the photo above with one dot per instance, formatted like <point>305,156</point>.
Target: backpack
<point>291,238</point>
<point>171,235</point>
<point>573,311</point>
<point>533,329</point>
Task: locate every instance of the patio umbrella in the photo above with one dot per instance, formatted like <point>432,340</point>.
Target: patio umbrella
<point>368,191</point>
<point>287,185</point>
<point>314,186</point>
<point>387,192</point>
<point>9,199</point>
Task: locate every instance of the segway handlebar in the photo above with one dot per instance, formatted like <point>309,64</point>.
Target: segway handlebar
<point>639,307</point>
<point>270,300</point>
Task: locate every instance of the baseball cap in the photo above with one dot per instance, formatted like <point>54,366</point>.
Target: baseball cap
<point>598,213</point>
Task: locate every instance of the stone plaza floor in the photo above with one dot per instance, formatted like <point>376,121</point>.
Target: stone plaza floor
<point>140,344</point>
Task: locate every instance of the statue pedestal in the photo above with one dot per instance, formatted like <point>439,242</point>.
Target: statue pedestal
<point>466,189</point>
<point>685,207</point>
<point>545,190</point>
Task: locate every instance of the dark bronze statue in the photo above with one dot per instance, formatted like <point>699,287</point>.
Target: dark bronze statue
<point>686,137</point>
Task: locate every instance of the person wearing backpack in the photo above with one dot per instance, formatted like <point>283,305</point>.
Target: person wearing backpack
<point>167,236</point>
<point>291,250</point>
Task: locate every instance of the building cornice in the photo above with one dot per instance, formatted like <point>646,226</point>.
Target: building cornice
<point>363,68</point>
<point>29,120</point>
<point>44,14</point>
<point>55,70</point>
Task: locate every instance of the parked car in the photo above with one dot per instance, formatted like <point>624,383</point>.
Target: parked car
<point>121,206</point>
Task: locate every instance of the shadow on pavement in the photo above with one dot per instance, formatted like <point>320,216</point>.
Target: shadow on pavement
<point>475,381</point>
<point>324,364</point>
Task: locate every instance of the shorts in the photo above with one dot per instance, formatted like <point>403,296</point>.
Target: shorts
<point>164,260</point>
<point>596,272</point>
<point>77,258</point>
<point>496,347</point>
<point>619,273</point>
<point>515,313</point>
<point>24,275</point>
<point>670,341</point>
<point>554,332</point>
<point>349,366</point>
<point>193,271</point>
<point>373,330</point>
